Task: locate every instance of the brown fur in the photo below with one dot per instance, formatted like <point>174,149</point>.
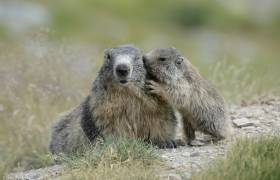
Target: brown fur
<point>131,113</point>
<point>177,81</point>
<point>114,110</point>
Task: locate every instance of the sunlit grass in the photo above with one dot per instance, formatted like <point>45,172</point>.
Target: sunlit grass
<point>33,92</point>
<point>119,159</point>
<point>255,159</point>
<point>231,80</point>
<point>238,83</point>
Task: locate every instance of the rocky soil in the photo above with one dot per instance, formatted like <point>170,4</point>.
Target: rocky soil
<point>261,118</point>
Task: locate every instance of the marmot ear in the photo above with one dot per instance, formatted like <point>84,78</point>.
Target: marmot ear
<point>107,54</point>
<point>179,60</point>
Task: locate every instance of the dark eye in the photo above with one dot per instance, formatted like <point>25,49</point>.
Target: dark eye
<point>162,59</point>
<point>108,56</point>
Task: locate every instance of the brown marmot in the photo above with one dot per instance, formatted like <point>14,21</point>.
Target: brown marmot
<point>117,106</point>
<point>175,79</point>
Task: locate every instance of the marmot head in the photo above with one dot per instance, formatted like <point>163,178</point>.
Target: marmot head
<point>166,65</point>
<point>124,65</point>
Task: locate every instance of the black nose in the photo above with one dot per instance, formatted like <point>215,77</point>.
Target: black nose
<point>122,70</point>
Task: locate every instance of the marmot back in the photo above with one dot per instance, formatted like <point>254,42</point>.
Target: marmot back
<point>175,79</point>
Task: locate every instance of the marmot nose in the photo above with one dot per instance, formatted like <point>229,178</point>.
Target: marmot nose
<point>122,70</point>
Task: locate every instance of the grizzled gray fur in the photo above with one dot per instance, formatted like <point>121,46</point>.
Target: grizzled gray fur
<point>117,106</point>
<point>175,79</point>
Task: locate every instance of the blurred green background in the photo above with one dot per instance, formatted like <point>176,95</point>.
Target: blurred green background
<point>240,33</point>
<point>243,32</point>
<point>50,52</point>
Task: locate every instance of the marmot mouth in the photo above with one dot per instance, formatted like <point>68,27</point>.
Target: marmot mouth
<point>123,81</point>
<point>150,76</point>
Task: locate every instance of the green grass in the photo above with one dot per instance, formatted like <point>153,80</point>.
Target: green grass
<point>118,159</point>
<point>87,16</point>
<point>33,93</point>
<point>248,159</point>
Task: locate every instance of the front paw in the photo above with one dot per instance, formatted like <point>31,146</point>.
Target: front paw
<point>167,144</point>
<point>154,87</point>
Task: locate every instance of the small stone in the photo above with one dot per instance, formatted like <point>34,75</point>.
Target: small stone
<point>197,142</point>
<point>171,176</point>
<point>194,154</point>
<point>249,128</point>
<point>242,122</point>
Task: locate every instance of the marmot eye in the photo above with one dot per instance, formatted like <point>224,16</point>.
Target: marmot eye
<point>162,59</point>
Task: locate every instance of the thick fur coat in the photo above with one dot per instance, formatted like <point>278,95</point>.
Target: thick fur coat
<point>117,106</point>
<point>175,79</point>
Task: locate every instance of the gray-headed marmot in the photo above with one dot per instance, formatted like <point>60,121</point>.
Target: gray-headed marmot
<point>117,106</point>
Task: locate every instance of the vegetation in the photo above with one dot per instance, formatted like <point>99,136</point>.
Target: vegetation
<point>48,68</point>
<point>119,159</point>
<point>255,159</point>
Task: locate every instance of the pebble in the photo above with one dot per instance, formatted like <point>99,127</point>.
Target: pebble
<point>242,122</point>
<point>171,176</point>
<point>194,154</point>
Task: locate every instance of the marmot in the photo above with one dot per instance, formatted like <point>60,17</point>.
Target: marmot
<point>117,106</point>
<point>175,79</point>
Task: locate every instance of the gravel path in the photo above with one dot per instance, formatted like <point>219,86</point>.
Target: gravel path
<point>250,121</point>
